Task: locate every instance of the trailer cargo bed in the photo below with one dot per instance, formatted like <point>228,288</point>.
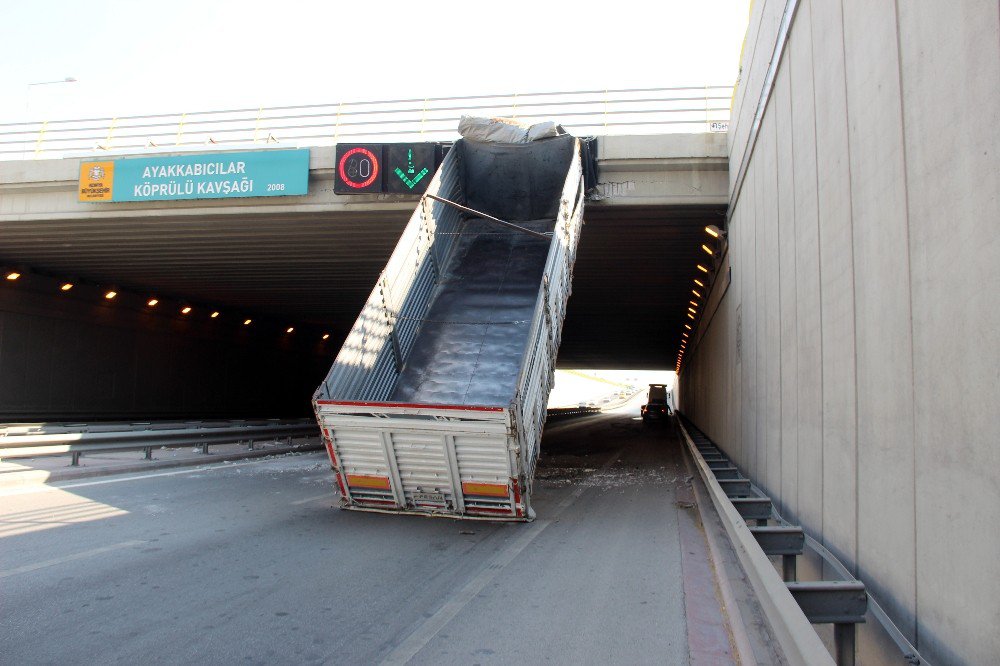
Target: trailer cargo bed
<point>470,345</point>
<point>436,402</point>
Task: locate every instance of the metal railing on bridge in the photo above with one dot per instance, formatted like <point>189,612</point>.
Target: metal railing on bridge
<point>589,112</point>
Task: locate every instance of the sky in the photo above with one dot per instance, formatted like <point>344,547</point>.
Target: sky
<point>194,55</point>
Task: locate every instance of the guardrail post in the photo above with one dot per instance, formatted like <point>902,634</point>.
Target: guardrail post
<point>250,444</point>
<point>789,574</point>
<point>75,459</point>
<point>180,128</point>
<point>844,639</point>
<point>204,448</point>
<point>41,138</point>
<point>148,452</point>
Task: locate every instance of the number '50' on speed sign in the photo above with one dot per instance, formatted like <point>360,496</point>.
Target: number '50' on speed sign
<point>359,168</point>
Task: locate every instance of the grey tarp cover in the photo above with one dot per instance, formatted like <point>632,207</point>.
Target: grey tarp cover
<point>506,130</point>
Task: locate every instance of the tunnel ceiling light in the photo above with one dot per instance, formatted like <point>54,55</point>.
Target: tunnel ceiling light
<point>699,282</point>
<point>247,322</point>
<point>326,336</point>
<point>214,314</point>
<point>110,294</point>
<point>13,275</point>
<point>186,309</point>
<point>707,249</point>
<point>696,293</point>
<point>687,326</point>
<point>690,316</point>
<point>694,303</point>
<point>66,286</point>
<point>714,231</point>
<point>702,269</point>
<point>685,334</point>
<point>152,302</point>
<point>290,329</point>
<point>692,311</point>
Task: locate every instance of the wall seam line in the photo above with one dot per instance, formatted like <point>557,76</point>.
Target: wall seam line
<point>819,266</point>
<point>909,289</point>
<point>777,240</point>
<point>854,287</point>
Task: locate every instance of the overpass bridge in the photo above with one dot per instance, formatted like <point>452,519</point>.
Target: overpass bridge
<point>302,262</point>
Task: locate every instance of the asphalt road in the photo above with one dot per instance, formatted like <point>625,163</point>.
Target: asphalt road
<point>251,563</point>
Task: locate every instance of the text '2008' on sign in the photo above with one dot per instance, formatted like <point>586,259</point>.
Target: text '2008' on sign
<point>396,168</point>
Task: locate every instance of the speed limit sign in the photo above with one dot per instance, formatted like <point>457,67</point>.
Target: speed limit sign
<point>359,168</point>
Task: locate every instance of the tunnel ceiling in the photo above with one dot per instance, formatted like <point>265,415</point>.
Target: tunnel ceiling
<point>632,281</point>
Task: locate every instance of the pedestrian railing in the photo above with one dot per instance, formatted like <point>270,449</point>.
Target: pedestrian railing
<point>588,112</point>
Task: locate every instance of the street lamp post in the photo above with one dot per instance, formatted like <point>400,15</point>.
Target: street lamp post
<point>27,94</point>
<point>27,107</point>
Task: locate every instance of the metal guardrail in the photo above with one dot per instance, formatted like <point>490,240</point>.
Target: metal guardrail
<point>596,112</point>
<point>30,441</point>
<point>843,602</point>
<point>566,412</point>
<point>735,506</point>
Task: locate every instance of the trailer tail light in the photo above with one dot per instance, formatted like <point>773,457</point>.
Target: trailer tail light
<point>486,489</point>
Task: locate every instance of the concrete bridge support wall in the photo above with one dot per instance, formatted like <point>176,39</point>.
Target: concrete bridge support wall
<point>852,367</point>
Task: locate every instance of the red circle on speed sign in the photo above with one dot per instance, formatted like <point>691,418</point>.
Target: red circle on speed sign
<point>348,180</point>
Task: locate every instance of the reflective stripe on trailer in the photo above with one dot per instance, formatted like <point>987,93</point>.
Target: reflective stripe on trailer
<point>367,481</point>
<point>486,489</point>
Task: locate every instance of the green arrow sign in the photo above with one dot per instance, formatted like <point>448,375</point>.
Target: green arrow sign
<point>409,167</point>
<point>411,182</point>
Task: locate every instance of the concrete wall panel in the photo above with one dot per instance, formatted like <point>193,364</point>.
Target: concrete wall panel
<point>837,282</point>
<point>772,292</point>
<point>864,257</point>
<point>951,112</point>
<point>759,315</point>
<point>787,333</point>
<point>884,351</point>
<point>808,306</point>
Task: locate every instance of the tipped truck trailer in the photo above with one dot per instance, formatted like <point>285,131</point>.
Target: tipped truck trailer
<point>436,402</point>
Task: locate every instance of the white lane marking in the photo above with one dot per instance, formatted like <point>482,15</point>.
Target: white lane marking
<point>327,495</point>
<point>202,468</point>
<point>68,558</point>
<point>423,634</point>
<point>430,627</point>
